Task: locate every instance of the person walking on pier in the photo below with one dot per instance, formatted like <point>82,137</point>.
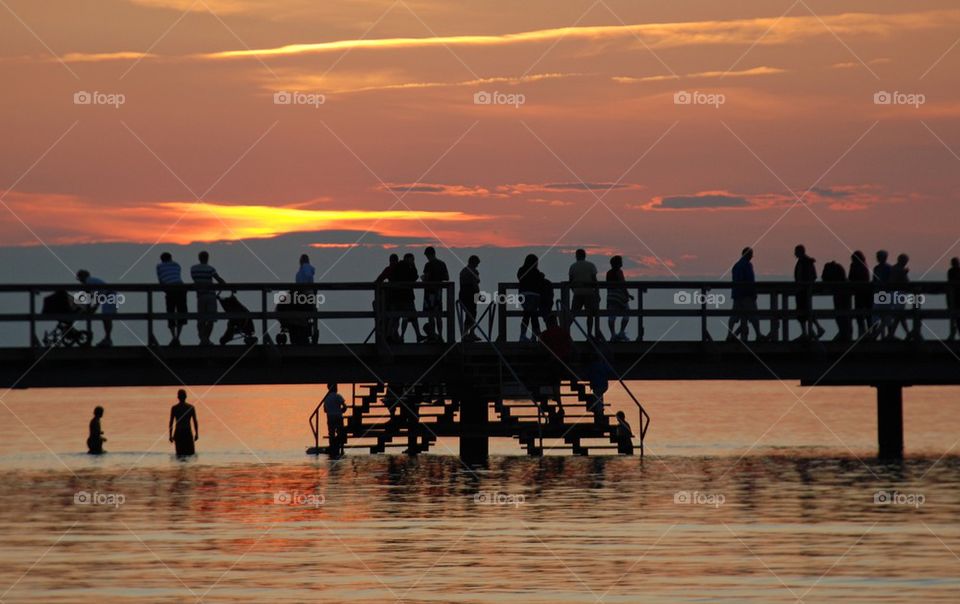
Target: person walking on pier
<point>859,273</point>
<point>407,274</point>
<point>530,279</point>
<point>182,417</point>
<point>106,300</point>
<point>469,291</point>
<point>744,294</point>
<point>624,435</point>
<point>168,275</point>
<point>306,271</point>
<point>881,280</point>
<point>805,274</point>
<point>899,275</point>
<point>334,406</point>
<point>205,274</point>
<point>953,296</point>
<point>434,271</point>
<point>96,439</point>
<point>583,281</point>
<point>618,301</point>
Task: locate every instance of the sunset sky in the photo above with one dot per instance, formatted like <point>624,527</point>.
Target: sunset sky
<point>184,142</point>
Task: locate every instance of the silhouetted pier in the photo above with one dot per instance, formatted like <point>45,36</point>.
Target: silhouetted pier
<point>494,387</point>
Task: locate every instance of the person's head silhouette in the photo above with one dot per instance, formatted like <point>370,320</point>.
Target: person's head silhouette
<point>430,253</point>
<point>394,259</point>
<point>747,253</point>
<point>859,256</point>
<point>581,254</point>
<point>304,259</point>
<point>83,275</point>
<point>621,416</point>
<point>182,395</point>
<point>799,251</point>
<point>204,257</point>
<point>903,259</point>
<point>955,262</point>
<point>473,261</point>
<point>882,256</point>
<point>616,262</point>
<point>166,257</point>
<point>98,411</point>
<point>332,387</point>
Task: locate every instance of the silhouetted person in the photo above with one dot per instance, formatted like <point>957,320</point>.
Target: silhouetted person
<point>624,435</point>
<point>306,271</point>
<point>583,281</point>
<point>205,274</point>
<point>434,271</point>
<point>859,273</point>
<point>744,294</point>
<point>899,275</point>
<point>168,275</point>
<point>406,298</point>
<point>881,303</point>
<point>106,300</point>
<point>390,296</point>
<point>183,417</point>
<point>469,291</point>
<point>833,273</point>
<point>953,295</point>
<point>334,407</point>
<point>558,348</point>
<point>618,301</point>
<point>531,284</point>
<point>805,274</point>
<point>96,439</point>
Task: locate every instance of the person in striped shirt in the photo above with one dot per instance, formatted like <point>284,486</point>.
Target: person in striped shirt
<point>168,274</point>
<point>203,273</point>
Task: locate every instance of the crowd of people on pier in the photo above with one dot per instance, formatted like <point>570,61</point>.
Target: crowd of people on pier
<point>871,302</point>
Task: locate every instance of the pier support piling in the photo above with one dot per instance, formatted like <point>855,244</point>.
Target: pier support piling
<point>474,420</point>
<point>890,420</point>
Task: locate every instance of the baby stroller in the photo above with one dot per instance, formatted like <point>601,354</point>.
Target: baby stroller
<point>297,330</point>
<point>237,328</point>
<point>64,334</point>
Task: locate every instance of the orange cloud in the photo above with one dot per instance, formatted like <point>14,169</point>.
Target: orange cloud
<point>839,198</point>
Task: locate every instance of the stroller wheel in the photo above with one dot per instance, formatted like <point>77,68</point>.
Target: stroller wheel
<point>281,339</point>
<point>250,340</point>
<point>83,338</point>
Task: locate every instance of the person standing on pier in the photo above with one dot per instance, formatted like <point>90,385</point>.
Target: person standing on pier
<point>306,271</point>
<point>863,295</point>
<point>106,300</point>
<point>531,284</point>
<point>407,274</point>
<point>744,294</point>
<point>953,296</point>
<point>469,291</point>
<point>583,281</point>
<point>389,305</point>
<point>168,275</point>
<point>618,301</point>
<point>881,279</point>
<point>182,415</point>
<point>205,274</point>
<point>334,406</point>
<point>805,274</point>
<point>434,271</point>
<point>96,439</point>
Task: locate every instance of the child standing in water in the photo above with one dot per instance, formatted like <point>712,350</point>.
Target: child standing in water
<point>182,415</point>
<point>96,439</point>
<point>624,435</point>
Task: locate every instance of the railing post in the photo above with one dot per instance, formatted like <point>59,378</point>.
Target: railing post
<point>150,338</point>
<point>501,303</point>
<point>34,342</point>
<point>704,335</point>
<point>565,315</point>
<point>640,292</point>
<point>786,317</point>
<point>774,320</point>
<point>378,318</point>
<point>263,314</point>
<point>451,314</point>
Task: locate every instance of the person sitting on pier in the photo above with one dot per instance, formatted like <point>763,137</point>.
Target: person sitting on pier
<point>96,439</point>
<point>106,300</point>
<point>434,271</point>
<point>618,301</point>
<point>530,279</point>
<point>306,271</point>
<point>805,274</point>
<point>182,415</point>
<point>469,291</point>
<point>334,406</point>
<point>624,435</point>
<point>406,298</point>
<point>953,296</point>
<point>859,273</point>
<point>389,275</point>
<point>744,294</point>
<point>205,274</point>
<point>168,275</point>
<point>583,281</point>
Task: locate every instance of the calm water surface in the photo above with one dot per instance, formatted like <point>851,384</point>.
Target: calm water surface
<point>749,494</point>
